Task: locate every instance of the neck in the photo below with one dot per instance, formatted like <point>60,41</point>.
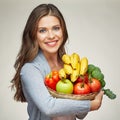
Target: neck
<point>54,62</point>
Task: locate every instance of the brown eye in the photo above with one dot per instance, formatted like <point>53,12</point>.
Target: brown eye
<point>56,28</point>
<point>43,30</point>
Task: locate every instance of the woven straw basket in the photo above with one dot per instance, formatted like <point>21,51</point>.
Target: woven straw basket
<point>90,96</point>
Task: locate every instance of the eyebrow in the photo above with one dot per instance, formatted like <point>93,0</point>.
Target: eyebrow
<point>39,27</point>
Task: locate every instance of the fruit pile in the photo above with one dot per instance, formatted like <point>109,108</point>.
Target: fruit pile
<point>77,77</point>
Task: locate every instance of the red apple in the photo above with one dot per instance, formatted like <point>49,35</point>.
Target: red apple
<point>81,88</point>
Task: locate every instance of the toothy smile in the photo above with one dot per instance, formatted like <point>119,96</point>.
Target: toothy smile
<point>51,43</point>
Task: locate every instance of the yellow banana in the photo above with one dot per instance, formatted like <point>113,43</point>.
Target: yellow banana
<point>78,67</point>
<point>74,60</point>
<point>66,59</point>
<point>74,75</point>
<point>62,74</point>
<point>68,69</point>
<point>83,66</point>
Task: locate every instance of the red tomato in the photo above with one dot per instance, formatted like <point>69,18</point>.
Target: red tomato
<point>86,78</point>
<point>79,79</point>
<point>51,79</point>
<point>95,85</point>
<point>82,79</point>
<point>81,88</point>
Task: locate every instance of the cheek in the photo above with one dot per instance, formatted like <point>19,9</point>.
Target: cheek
<point>60,35</point>
<point>40,38</point>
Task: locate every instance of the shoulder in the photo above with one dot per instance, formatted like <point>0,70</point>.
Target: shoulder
<point>39,64</point>
<point>30,72</point>
<point>27,67</point>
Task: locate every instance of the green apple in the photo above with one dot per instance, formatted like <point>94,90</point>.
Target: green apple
<point>64,86</point>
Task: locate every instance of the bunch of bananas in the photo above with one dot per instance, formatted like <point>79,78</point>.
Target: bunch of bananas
<point>73,66</point>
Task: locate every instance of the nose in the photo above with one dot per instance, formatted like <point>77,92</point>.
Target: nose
<point>51,34</point>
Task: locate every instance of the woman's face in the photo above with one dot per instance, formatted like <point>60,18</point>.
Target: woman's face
<point>49,34</point>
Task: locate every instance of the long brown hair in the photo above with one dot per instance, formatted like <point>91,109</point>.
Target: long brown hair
<point>29,48</point>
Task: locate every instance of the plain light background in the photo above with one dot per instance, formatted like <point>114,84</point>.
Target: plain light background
<point>94,31</point>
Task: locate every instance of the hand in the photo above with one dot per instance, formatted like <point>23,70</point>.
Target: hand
<point>96,103</point>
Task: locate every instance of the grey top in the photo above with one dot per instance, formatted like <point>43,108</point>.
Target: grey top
<point>41,105</point>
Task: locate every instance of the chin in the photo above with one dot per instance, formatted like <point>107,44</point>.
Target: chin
<point>51,51</point>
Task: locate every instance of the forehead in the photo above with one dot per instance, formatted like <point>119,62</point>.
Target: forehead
<point>48,20</point>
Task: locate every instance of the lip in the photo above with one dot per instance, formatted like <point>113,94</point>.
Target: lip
<point>51,43</point>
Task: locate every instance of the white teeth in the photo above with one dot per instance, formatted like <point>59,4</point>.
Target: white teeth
<point>51,43</point>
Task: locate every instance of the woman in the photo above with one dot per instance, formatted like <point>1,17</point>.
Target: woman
<point>43,41</point>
